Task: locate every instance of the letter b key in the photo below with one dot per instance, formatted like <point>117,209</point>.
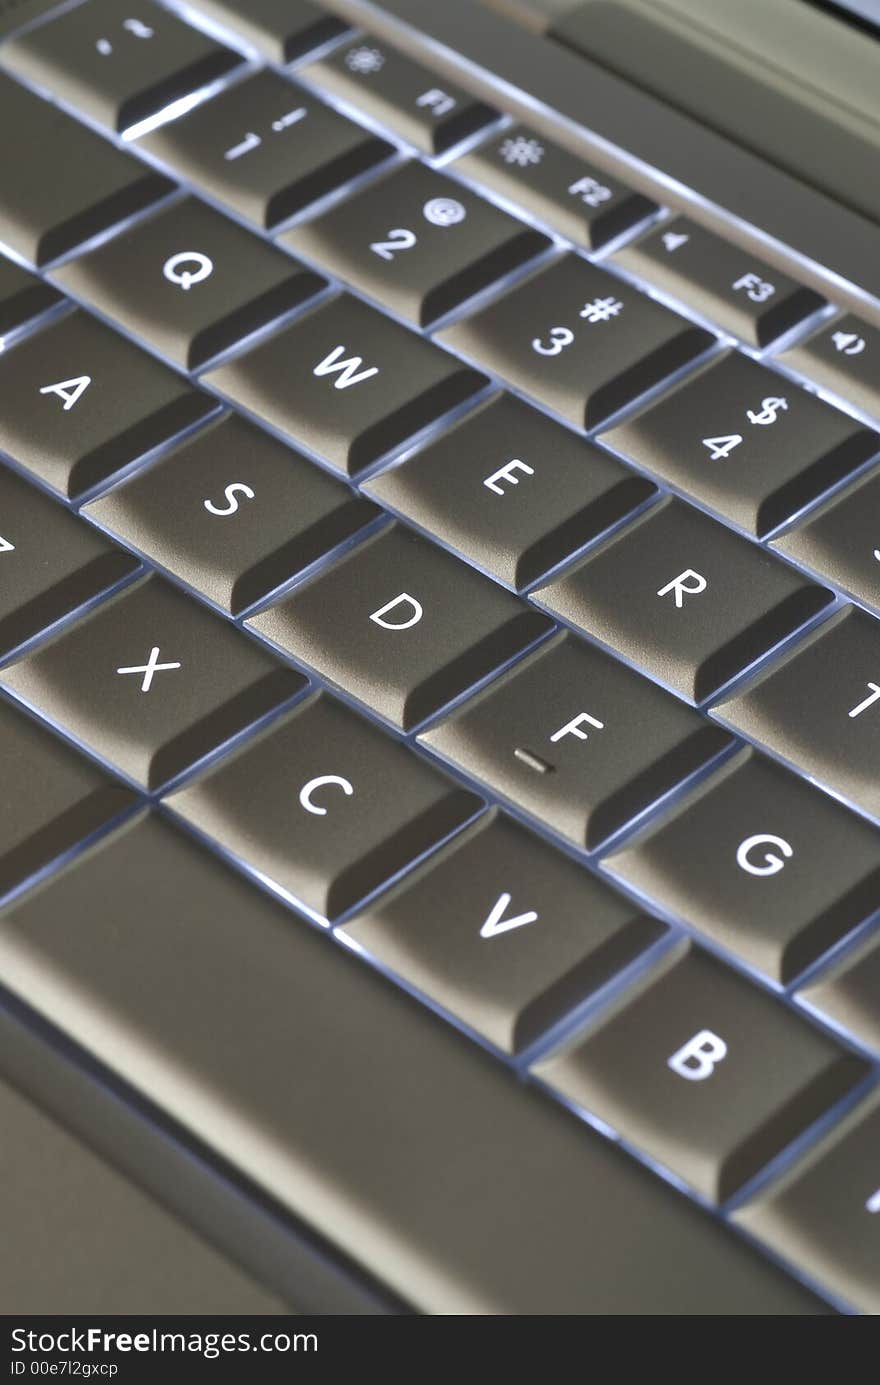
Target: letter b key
<point>698,1058</point>
<point>704,1072</point>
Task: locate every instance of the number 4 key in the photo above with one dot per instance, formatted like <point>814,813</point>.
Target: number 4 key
<point>723,446</point>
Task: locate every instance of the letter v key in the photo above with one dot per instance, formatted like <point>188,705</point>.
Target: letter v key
<point>496,922</point>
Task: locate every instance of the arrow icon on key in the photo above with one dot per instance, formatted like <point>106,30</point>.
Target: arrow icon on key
<point>496,922</point>
<point>673,240</point>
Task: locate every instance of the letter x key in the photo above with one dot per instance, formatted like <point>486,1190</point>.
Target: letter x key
<point>148,669</point>
<point>79,681</point>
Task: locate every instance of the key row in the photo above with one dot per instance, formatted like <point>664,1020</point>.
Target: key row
<point>405,629</point>
<point>212,802</point>
<point>213,512</point>
<point>530,509</point>
<point>82,402</point>
<point>726,284</point>
<point>506,487</point>
<point>192,304</point>
<point>723,282</point>
<point>540,494</point>
<point>696,1066</point>
<point>111,943</point>
<point>326,807</point>
<point>267,147</point>
<point>252,173</point>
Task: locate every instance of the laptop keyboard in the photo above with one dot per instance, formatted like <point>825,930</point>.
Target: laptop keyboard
<point>427,556</point>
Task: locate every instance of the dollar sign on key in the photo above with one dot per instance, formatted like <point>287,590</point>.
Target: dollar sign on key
<point>768,411</point>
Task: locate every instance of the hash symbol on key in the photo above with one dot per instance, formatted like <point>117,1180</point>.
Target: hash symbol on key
<point>601,309</point>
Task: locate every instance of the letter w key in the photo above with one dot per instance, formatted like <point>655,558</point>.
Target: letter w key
<point>348,370</point>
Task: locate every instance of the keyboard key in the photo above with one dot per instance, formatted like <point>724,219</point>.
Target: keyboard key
<point>822,1215</point>
<point>280,30</point>
<point>417,242</point>
<point>325,805</point>
<point>44,212</point>
<point>114,1249</point>
<point>580,201</point>
<point>511,490</point>
<point>151,681</point>
<point>189,282</point>
<point>839,540</point>
<point>53,798</point>
<point>417,104</point>
<point>74,429</point>
<point>50,562</point>
<point>684,598</point>
<point>266,148</point>
<point>841,356</point>
<point>849,992</point>
<point>232,512</point>
<point>819,708</point>
<point>503,931</point>
<point>761,861</point>
<point>22,296</point>
<point>115,69</point>
<point>704,1072</point>
<point>724,282</point>
<point>579,340</point>
<point>577,739</point>
<point>332,1092</point>
<point>80,402</point>
<point>346,382</point>
<point>401,625</point>
<point>745,442</point>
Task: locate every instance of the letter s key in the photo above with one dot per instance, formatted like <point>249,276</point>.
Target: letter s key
<point>232,504</point>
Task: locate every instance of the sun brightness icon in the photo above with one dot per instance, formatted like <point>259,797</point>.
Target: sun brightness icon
<point>519,149</point>
<point>364,60</point>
